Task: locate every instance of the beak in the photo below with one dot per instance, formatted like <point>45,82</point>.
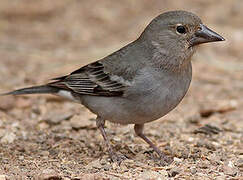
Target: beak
<point>204,35</point>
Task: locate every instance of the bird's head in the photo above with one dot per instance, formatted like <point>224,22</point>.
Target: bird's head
<point>178,32</point>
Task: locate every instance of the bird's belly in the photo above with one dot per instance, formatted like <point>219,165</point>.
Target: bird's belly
<point>159,103</point>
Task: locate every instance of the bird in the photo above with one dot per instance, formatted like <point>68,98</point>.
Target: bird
<point>139,83</point>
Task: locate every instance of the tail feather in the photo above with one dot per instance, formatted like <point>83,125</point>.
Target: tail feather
<point>44,89</point>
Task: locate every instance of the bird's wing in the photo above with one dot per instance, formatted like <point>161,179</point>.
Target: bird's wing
<point>91,79</point>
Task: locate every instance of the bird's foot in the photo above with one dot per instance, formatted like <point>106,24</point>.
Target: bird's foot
<point>165,160</point>
<point>116,158</point>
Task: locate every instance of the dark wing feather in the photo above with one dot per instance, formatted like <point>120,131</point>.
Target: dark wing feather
<point>90,80</point>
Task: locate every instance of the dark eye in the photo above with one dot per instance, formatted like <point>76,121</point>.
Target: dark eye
<point>181,29</point>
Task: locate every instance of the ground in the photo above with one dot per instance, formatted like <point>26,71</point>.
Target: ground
<point>45,137</point>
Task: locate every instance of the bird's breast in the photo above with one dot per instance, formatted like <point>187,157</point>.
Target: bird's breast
<point>157,93</point>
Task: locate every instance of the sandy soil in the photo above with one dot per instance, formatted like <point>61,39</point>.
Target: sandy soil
<point>44,137</point>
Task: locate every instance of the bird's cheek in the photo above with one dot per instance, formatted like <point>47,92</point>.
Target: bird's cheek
<point>192,49</point>
<point>189,51</point>
<point>187,45</point>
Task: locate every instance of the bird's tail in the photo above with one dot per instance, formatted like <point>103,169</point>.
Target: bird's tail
<point>44,89</point>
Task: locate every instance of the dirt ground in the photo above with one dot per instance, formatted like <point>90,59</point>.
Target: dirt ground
<point>45,137</point>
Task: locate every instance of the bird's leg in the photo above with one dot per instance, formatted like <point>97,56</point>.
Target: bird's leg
<point>138,128</point>
<point>100,123</point>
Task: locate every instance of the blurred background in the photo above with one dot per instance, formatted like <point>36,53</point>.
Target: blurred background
<point>51,38</point>
<point>42,39</point>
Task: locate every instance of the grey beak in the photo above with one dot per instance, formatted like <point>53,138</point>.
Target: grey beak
<point>205,35</point>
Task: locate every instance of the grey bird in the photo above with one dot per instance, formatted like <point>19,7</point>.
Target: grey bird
<point>142,81</point>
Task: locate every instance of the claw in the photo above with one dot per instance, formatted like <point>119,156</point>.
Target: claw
<point>165,160</point>
<point>117,158</point>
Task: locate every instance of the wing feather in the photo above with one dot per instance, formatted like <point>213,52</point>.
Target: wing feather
<point>91,80</point>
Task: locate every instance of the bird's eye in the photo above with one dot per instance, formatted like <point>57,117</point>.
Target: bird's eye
<point>181,29</point>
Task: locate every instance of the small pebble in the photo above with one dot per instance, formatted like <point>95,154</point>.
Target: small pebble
<point>240,163</point>
<point>177,159</point>
<point>9,137</point>
<point>45,153</point>
<point>193,170</point>
<point>7,103</point>
<point>56,117</point>
<point>3,177</point>
<point>21,158</point>
<point>94,164</point>
<point>23,103</point>
<point>148,175</point>
<point>78,122</point>
<point>229,169</point>
<point>173,172</point>
<point>48,174</point>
